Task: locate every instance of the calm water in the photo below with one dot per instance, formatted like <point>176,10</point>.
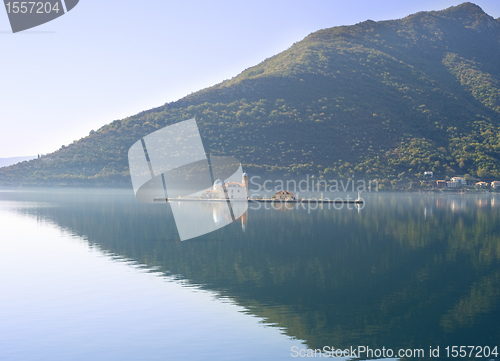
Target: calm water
<point>100,276</point>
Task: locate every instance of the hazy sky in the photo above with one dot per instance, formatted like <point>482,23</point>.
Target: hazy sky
<point>107,60</point>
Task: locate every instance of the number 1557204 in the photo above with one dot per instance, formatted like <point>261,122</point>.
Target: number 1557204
<point>471,351</point>
<point>31,7</point>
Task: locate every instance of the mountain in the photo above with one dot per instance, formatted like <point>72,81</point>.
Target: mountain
<point>5,162</point>
<point>381,100</point>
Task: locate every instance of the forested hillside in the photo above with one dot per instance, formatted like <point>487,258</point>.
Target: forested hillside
<point>380,100</point>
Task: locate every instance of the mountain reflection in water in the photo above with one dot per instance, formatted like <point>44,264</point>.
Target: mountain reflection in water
<point>406,271</point>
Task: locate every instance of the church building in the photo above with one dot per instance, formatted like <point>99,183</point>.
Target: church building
<point>235,190</point>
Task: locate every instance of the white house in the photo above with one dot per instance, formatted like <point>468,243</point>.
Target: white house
<point>460,180</point>
<point>456,182</point>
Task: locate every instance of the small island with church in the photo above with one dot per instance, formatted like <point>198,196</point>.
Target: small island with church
<point>238,191</point>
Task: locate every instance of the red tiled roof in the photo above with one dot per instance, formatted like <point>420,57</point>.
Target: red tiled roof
<point>233,182</point>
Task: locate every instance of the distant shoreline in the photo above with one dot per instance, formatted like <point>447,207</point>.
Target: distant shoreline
<point>5,162</point>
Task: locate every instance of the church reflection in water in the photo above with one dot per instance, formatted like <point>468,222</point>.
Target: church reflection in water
<point>196,218</point>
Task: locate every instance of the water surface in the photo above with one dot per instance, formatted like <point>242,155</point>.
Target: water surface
<point>98,275</point>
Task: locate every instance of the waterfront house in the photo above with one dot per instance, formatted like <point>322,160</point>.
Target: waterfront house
<point>441,184</point>
<point>481,185</point>
<point>456,182</point>
<point>460,180</point>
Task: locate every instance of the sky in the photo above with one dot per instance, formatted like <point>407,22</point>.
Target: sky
<point>106,60</point>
